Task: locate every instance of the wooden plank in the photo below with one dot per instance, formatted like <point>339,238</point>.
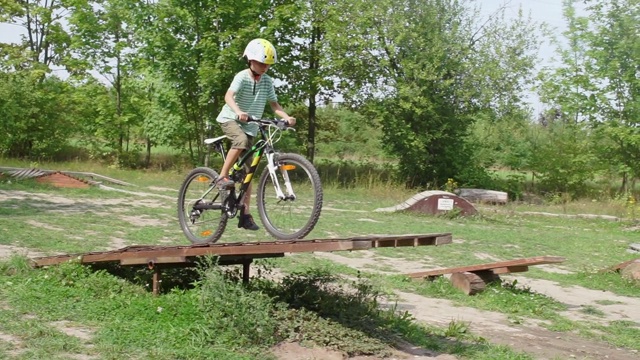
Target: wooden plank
<point>514,264</point>
<point>155,260</point>
<point>179,254</point>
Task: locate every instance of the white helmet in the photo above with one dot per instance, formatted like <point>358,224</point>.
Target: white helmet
<point>261,50</point>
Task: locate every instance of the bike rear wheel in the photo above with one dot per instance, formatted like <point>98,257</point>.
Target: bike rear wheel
<point>292,217</point>
<point>200,210</point>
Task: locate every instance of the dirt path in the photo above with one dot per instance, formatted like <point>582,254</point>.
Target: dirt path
<point>530,336</point>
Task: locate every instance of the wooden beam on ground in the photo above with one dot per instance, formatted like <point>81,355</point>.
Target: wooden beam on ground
<point>473,279</point>
<point>504,267</point>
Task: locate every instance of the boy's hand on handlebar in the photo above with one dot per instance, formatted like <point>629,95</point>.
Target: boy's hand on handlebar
<point>243,116</point>
<point>291,121</point>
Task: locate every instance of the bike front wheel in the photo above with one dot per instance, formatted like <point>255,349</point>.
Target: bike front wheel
<point>292,211</point>
<point>200,211</point>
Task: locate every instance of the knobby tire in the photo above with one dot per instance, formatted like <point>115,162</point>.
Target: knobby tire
<point>290,219</point>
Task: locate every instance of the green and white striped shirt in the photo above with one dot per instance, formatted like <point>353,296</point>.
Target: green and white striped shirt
<point>251,98</point>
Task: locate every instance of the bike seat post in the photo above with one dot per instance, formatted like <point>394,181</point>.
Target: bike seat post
<point>220,149</point>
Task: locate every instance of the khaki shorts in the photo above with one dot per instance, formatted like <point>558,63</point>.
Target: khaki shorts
<point>239,139</point>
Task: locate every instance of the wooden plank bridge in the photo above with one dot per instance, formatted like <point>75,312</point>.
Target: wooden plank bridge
<point>156,257</point>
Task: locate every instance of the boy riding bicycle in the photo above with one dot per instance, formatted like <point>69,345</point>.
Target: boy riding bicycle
<point>247,96</point>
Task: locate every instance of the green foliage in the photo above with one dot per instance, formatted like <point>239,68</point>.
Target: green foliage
<point>596,82</point>
<point>350,174</point>
<point>567,170</point>
<point>615,43</point>
<point>35,119</point>
<point>305,65</point>
<point>45,42</point>
<point>428,78</point>
<point>348,135</point>
<point>241,318</point>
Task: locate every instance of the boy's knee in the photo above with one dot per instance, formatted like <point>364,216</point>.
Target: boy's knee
<point>240,141</point>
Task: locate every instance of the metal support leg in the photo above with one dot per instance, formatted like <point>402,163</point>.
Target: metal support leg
<point>156,280</point>
<point>246,268</point>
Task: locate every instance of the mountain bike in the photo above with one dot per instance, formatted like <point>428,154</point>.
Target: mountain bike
<point>288,195</point>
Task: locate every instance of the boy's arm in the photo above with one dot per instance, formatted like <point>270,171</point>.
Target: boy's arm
<point>230,99</point>
<point>277,109</point>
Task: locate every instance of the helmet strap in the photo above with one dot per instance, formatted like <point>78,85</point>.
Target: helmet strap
<point>256,76</point>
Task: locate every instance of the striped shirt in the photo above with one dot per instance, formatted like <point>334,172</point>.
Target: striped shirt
<point>251,98</point>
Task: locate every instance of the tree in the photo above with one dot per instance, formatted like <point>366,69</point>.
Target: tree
<point>431,69</point>
<point>562,156</point>
<point>36,114</point>
<point>301,27</point>
<point>570,87</point>
<point>615,50</point>
<point>102,41</point>
<point>597,83</point>
<point>45,41</point>
<point>197,52</point>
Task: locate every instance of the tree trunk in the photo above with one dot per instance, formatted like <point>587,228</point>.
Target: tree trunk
<point>118,89</point>
<point>147,159</point>
<point>314,63</point>
<point>311,136</point>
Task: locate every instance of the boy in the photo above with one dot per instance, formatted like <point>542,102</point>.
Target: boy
<point>247,96</point>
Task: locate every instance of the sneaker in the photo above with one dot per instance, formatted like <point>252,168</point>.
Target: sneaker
<point>246,222</point>
<point>224,183</point>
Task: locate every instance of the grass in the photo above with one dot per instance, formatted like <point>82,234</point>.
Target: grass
<point>217,318</point>
<point>207,314</point>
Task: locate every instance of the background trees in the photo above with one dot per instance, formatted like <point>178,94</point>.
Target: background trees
<point>597,88</point>
<point>431,70</point>
<point>432,88</point>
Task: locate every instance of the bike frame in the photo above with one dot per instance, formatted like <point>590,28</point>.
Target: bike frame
<point>256,152</point>
<point>261,147</point>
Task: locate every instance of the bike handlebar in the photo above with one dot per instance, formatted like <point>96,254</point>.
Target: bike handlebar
<point>281,124</point>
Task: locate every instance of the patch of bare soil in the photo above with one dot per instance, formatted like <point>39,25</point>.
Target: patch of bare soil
<point>295,351</point>
<point>7,251</point>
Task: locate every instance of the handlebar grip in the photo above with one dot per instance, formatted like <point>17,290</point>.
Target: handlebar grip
<point>249,118</point>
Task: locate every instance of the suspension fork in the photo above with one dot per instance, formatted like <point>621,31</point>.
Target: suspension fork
<point>272,167</point>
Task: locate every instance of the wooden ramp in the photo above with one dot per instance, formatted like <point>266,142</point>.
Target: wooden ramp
<point>155,257</point>
<point>473,279</point>
<point>434,202</point>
